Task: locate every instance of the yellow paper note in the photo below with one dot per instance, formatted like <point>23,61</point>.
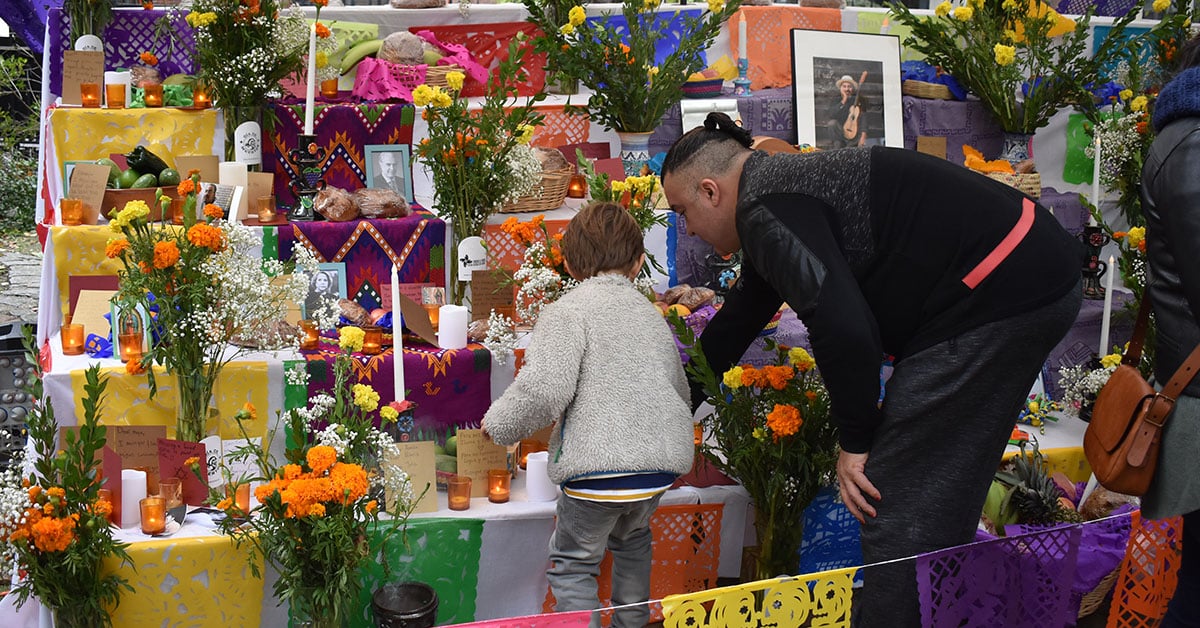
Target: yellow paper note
<point>417,460</point>
<point>476,455</point>
<point>90,310</point>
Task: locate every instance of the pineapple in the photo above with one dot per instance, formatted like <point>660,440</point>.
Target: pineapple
<point>1035,496</point>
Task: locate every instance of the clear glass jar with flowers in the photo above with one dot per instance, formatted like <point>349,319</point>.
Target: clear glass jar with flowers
<point>771,431</point>
<point>478,156</point>
<point>54,529</point>
<point>203,295</point>
<point>319,506</point>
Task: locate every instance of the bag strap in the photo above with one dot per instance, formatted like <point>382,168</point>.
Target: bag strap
<point>1133,355</point>
<point>1183,375</point>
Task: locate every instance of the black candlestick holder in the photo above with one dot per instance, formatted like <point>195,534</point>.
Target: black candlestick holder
<point>307,179</point>
<point>1094,239</point>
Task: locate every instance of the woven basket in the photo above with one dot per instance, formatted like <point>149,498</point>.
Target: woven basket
<point>921,89</point>
<point>1091,601</point>
<point>1030,184</point>
<point>435,75</point>
<point>547,195</point>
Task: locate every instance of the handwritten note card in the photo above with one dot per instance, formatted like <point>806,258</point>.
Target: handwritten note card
<point>172,454</point>
<point>87,183</point>
<point>488,293</point>
<point>477,454</point>
<point>417,460</point>
<point>80,67</point>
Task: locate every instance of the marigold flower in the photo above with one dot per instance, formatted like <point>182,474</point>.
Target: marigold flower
<point>350,338</point>
<point>811,395</point>
<point>165,254</point>
<point>102,508</point>
<point>192,461</point>
<point>224,504</point>
<point>1136,236</point>
<point>291,471</point>
<point>316,510</point>
<point>134,367</point>
<point>115,247</point>
<point>749,376</point>
<point>1160,5</point>
<point>441,98</point>
<point>783,421</point>
<point>349,482</point>
<point>388,414</point>
<point>1005,55</point>
<point>422,95</point>
<point>51,534</point>
<point>365,397</point>
<point>213,211</point>
<point>1009,5</point>
<point>34,492</point>
<point>148,58</point>
<point>371,506</point>
<point>716,6</point>
<point>778,376</point>
<point>323,31</point>
<point>576,15</point>
<point>148,4</point>
<point>248,412</point>
<point>1138,104</point>
<point>320,458</point>
<point>455,80</point>
<point>964,14</point>
<point>943,9</point>
<point>205,235</point>
<point>800,359</point>
<point>566,29</point>
<point>1111,359</point>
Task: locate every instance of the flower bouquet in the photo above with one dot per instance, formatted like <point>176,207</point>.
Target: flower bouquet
<point>642,195</point>
<point>203,294</point>
<point>773,434</point>
<point>542,277</point>
<point>1080,384</point>
<point>317,508</point>
<point>55,530</point>
<point>479,158</point>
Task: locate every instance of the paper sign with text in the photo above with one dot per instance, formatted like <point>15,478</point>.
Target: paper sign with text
<point>90,310</point>
<point>477,454</point>
<point>416,319</point>
<point>417,460</point>
<point>87,184</point>
<point>80,67</point>
<point>489,292</point>
<point>172,456</point>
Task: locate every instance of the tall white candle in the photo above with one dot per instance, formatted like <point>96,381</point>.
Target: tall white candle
<point>311,89</point>
<point>397,340</point>
<point>1095,180</point>
<point>133,489</point>
<point>1108,291</point>
<point>741,35</point>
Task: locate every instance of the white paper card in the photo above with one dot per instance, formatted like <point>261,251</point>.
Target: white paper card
<point>472,256</point>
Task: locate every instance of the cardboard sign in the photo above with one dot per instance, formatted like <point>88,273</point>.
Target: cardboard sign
<point>489,292</point>
<point>930,145</point>
<point>80,67</point>
<point>79,283</point>
<point>88,182</point>
<point>90,310</point>
<point>172,454</point>
<point>206,164</point>
<point>477,454</point>
<point>416,319</point>
<point>411,290</point>
<point>137,445</point>
<point>417,460</point>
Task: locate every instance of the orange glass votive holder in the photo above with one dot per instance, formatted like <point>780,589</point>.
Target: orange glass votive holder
<point>499,484</point>
<point>458,492</point>
<point>105,495</point>
<point>154,515</point>
<point>72,211</point>
<point>266,209</point>
<point>114,95</point>
<point>240,495</point>
<point>89,95</point>
<point>329,89</point>
<point>529,446</point>
<point>171,490</point>
<point>200,99</point>
<point>72,338</point>
<point>577,186</point>
<point>309,336</point>
<point>372,339</point>
<point>152,94</point>
<point>432,310</point>
<point>177,211</point>
<point>131,346</point>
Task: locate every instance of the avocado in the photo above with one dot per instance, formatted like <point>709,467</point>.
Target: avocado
<point>452,445</point>
<point>145,181</point>
<point>114,169</point>
<point>170,176</point>
<point>126,179</point>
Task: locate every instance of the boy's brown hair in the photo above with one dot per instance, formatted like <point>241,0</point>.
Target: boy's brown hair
<point>602,237</point>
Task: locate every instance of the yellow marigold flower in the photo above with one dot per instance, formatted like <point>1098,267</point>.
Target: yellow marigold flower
<point>652,72</point>
<point>943,9</point>
<point>759,433</point>
<point>964,14</point>
<point>1009,5</point>
<point>733,377</point>
<point>1010,35</point>
<point>205,235</point>
<point>1125,94</point>
<point>716,6</point>
<point>350,338</point>
<point>1135,236</point>
<point>422,95</point>
<point>783,421</point>
<point>567,29</point>
<point>198,20</point>
<point>441,98</point>
<point>165,254</point>
<point>388,414</point>
<point>1005,55</point>
<point>114,247</point>
<point>650,5</point>
<point>619,187</point>
<point>800,359</point>
<point>365,397</point>
<point>133,211</point>
<point>319,458</point>
<point>524,133</point>
<point>576,15</point>
<point>1111,359</point>
<point>455,80</point>
<point>1138,104</point>
<point>322,59</point>
<point>1160,5</point>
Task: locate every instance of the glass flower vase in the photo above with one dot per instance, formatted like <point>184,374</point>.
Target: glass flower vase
<point>197,419</point>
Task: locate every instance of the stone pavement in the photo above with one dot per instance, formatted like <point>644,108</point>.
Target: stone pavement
<point>20,276</point>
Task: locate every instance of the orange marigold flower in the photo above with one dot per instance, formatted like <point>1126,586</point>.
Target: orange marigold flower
<point>34,492</point>
<point>371,506</point>
<point>56,491</point>
<point>134,367</point>
<point>316,510</point>
<point>18,535</point>
<point>749,376</point>
<point>224,504</point>
<point>148,58</point>
<point>205,235</point>
<point>145,268</point>
<point>1142,246</point>
<point>778,376</point>
<point>320,3</point>
<point>148,5</point>
<point>349,481</point>
<point>1120,235</point>
<point>323,31</point>
<point>291,471</point>
<point>320,458</point>
<point>165,254</point>
<point>185,187</point>
<point>102,508</point>
<point>783,421</point>
<point>115,247</point>
<point>193,172</point>
<point>811,395</point>
<point>53,535</point>
<point>213,211</point>
<point>192,461</point>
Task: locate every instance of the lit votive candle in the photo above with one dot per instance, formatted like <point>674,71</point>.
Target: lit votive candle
<point>72,211</point>
<point>131,346</point>
<point>498,485</point>
<point>458,492</point>
<point>153,94</point>
<point>432,310</point>
<point>372,339</point>
<point>266,209</point>
<point>200,99</point>
<point>89,95</point>
<point>154,515</point>
<point>329,89</point>
<point>309,336</point>
<point>114,95</point>
<point>105,495</point>
<point>577,186</point>
<point>72,338</point>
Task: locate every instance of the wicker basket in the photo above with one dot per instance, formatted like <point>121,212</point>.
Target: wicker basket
<point>547,195</point>
<point>1093,599</point>
<point>921,89</point>
<point>1030,184</point>
<point>435,75</point>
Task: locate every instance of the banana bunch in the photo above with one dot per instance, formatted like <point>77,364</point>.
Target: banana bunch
<point>722,68</point>
<point>371,48</point>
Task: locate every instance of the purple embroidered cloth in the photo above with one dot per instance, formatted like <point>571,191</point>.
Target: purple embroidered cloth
<point>765,112</point>
<point>960,122</point>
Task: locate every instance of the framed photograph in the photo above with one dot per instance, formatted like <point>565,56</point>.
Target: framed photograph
<point>388,168</point>
<point>329,282</point>
<point>846,89</point>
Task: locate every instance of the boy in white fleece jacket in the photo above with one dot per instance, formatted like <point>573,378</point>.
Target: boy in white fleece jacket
<point>602,359</point>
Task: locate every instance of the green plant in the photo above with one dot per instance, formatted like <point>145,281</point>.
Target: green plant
<point>88,17</point>
<point>1020,57</point>
<point>60,536</point>
<point>773,434</point>
<point>630,91</point>
<point>18,125</point>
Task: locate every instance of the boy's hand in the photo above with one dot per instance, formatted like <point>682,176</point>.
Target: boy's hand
<point>483,428</point>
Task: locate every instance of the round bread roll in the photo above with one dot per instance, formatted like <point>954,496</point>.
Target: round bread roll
<point>671,296</point>
<point>354,312</point>
<point>696,298</point>
<point>402,47</point>
<point>551,159</point>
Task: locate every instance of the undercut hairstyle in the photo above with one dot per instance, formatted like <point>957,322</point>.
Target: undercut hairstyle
<point>602,237</point>
<point>708,149</point>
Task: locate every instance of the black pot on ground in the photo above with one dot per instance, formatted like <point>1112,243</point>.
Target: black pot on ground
<point>405,605</point>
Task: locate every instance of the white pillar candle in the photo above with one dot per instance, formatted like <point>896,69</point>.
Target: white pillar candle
<point>310,92</point>
<point>538,487</point>
<point>1108,290</point>
<point>742,35</point>
<point>133,491</point>
<point>1095,181</point>
<point>452,327</point>
<point>397,340</point>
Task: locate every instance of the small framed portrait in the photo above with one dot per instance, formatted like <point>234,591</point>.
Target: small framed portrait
<point>328,282</point>
<point>388,168</point>
<point>847,89</point>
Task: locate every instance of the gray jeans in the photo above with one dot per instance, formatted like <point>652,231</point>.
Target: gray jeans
<point>584,530</point>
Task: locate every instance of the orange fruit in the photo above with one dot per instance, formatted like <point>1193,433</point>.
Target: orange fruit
<point>680,309</point>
